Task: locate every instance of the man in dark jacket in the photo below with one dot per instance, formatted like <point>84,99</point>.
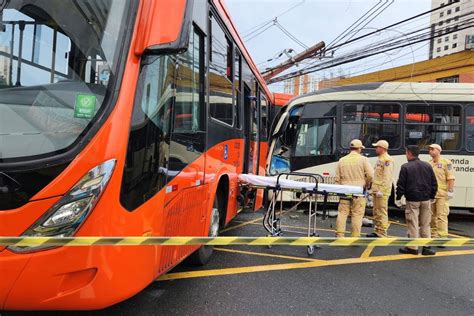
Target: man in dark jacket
<point>417,182</point>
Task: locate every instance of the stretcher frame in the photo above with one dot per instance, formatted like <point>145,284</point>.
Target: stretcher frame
<point>274,212</point>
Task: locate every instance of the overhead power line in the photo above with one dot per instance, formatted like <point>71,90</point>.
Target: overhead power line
<point>354,33</point>
<point>374,49</point>
<point>393,25</point>
<point>359,21</point>
<point>291,36</point>
<point>258,27</point>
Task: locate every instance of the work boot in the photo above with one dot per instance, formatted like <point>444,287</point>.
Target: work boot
<point>372,235</point>
<point>427,251</point>
<point>407,251</point>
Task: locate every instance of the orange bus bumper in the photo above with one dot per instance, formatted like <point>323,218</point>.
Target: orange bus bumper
<point>74,278</point>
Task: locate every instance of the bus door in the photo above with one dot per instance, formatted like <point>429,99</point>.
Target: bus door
<point>186,195</point>
<point>250,132</point>
<point>251,143</point>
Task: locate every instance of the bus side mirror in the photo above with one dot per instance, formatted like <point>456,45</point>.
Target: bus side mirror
<point>161,29</point>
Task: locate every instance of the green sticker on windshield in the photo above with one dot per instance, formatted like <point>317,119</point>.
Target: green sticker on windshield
<point>85,106</point>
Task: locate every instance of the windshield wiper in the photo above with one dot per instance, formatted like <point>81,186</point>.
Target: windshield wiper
<point>8,184</point>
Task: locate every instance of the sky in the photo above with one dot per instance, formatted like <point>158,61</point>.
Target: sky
<point>313,21</point>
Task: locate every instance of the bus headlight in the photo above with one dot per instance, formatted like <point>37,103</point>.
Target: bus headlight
<point>65,217</point>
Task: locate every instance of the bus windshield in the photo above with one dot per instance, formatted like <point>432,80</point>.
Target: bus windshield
<point>58,59</point>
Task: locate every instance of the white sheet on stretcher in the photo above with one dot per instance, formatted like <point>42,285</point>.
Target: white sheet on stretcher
<point>291,184</point>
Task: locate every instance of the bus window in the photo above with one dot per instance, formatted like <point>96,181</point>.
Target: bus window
<point>264,117</point>
<point>189,114</point>
<point>221,103</point>
<point>145,166</point>
<point>433,124</point>
<point>470,128</point>
<point>187,138</point>
<point>315,137</point>
<point>370,122</point>
<point>238,88</point>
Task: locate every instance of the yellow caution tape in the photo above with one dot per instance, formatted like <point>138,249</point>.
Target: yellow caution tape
<point>224,241</point>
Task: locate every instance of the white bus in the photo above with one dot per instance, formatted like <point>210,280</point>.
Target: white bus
<point>313,131</point>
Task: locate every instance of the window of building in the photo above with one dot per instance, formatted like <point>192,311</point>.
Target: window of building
<point>439,40</point>
<point>470,128</point>
<point>458,9</point>
<point>315,137</point>
<point>449,11</point>
<point>456,19</point>
<point>441,14</point>
<point>446,47</point>
<point>448,21</point>
<point>452,79</point>
<point>446,38</point>
<point>455,36</point>
<point>370,122</point>
<point>428,124</point>
<point>221,94</point>
<point>448,29</point>
<point>454,45</point>
<point>440,23</point>
<point>438,49</point>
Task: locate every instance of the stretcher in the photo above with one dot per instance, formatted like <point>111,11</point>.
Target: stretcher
<point>309,187</point>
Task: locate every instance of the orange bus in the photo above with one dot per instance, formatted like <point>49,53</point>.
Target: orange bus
<point>119,118</point>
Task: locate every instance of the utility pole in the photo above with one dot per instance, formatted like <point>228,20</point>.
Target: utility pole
<point>274,71</point>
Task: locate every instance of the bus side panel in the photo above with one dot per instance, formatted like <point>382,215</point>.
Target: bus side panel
<point>224,160</point>
<point>186,215</point>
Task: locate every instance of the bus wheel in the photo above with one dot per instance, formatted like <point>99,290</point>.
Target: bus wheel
<point>203,254</point>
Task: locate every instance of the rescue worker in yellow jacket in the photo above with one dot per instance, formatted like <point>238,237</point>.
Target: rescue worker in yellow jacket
<point>381,188</point>
<point>443,169</point>
<point>353,169</point>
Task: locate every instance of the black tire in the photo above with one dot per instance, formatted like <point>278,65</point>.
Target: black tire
<point>202,256</point>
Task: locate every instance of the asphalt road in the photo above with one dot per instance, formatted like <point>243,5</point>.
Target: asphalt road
<point>244,280</point>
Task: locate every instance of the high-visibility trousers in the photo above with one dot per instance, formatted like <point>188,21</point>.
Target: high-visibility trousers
<point>381,215</point>
<point>439,218</point>
<point>356,209</point>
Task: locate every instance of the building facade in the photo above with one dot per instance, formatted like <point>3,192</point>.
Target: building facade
<point>457,67</point>
<point>447,27</point>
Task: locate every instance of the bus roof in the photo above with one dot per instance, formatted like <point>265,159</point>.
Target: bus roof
<point>281,99</point>
<point>392,91</point>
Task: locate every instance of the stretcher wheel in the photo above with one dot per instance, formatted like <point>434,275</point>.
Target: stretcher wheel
<point>310,250</point>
